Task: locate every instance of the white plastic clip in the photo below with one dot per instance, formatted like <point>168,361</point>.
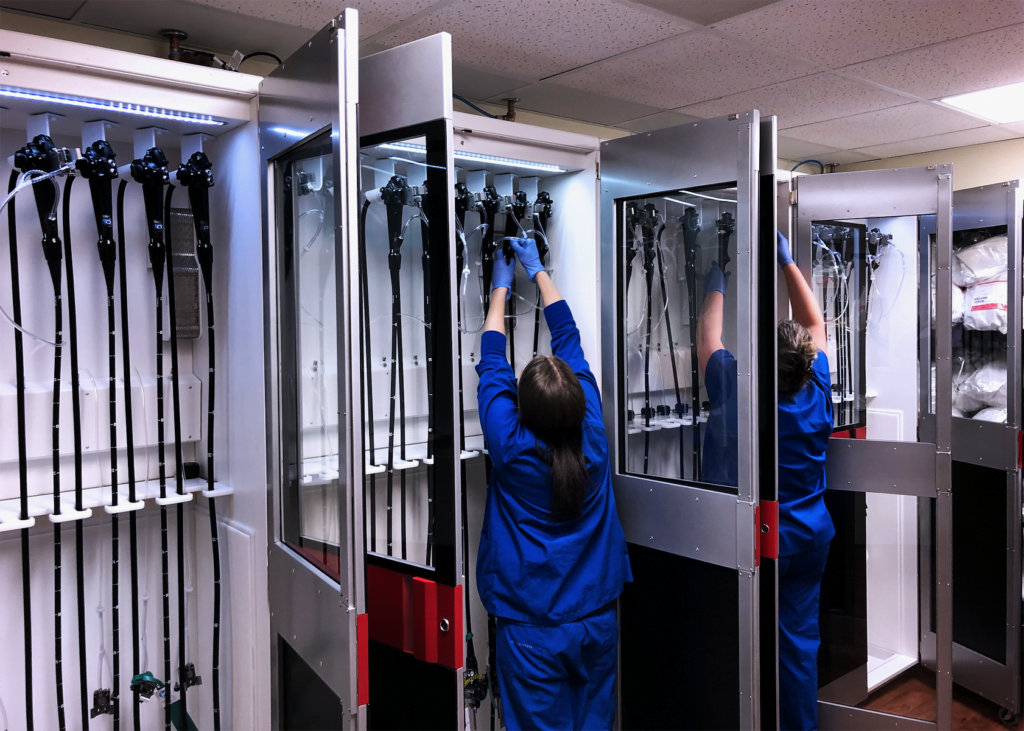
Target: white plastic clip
<point>16,524</point>
<point>173,499</point>
<point>374,469</point>
<point>470,454</point>
<point>216,492</point>
<point>71,515</point>
<point>402,464</point>
<point>428,461</point>
<point>125,507</point>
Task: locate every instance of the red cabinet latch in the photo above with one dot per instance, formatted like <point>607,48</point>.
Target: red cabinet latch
<point>766,524</point>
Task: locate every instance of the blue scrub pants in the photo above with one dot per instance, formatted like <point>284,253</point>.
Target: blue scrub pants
<point>560,677</point>
<point>799,592</point>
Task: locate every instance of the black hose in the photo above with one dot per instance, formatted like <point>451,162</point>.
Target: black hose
<point>649,277</point>
<point>151,172</point>
<point>99,167</point>
<point>76,417</point>
<point>364,303</point>
<point>428,340</point>
<point>130,447</point>
<point>178,461</point>
<point>678,409</point>
<point>394,199</point>
<point>197,175</point>
<point>19,366</point>
<point>254,54</point>
<point>691,228</point>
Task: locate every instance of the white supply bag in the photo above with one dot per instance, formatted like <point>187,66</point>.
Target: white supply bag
<point>980,262</point>
<point>986,386</point>
<point>992,414</point>
<point>984,306</point>
<point>958,304</point>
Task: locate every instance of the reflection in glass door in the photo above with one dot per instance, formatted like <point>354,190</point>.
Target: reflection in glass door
<point>886,582</point>
<point>309,344</point>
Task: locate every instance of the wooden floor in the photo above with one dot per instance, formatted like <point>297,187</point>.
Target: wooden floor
<point>913,695</point>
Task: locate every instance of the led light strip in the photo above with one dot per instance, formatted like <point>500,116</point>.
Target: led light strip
<point>110,106</point>
<point>459,155</point>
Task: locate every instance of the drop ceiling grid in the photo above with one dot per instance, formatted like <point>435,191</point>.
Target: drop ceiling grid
<point>894,124</point>
<point>538,38</point>
<point>704,12</point>
<point>562,101</point>
<point>977,136</point>
<point>685,70</point>
<point>806,100</point>
<point>981,61</point>
<point>837,34</point>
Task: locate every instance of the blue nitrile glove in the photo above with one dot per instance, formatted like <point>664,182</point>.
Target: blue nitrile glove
<point>503,272</point>
<point>716,280</point>
<point>526,251</point>
<point>783,254</point>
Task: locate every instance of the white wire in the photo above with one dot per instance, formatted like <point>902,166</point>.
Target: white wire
<point>19,186</point>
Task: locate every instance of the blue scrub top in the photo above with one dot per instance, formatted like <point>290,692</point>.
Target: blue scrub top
<point>805,425</point>
<point>720,455</point>
<point>531,568</point>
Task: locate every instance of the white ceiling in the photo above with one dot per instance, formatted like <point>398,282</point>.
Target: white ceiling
<point>849,80</point>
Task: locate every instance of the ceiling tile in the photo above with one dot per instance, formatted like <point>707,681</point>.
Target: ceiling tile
<point>374,15</point>
<point>563,101</point>
<point>207,27</point>
<point>967,64</point>
<point>690,68</point>
<point>704,12</point>
<point>977,136</point>
<point>887,125</point>
<point>797,150</point>
<point>802,101</point>
<point>845,157</point>
<point>1017,128</point>
<point>656,121</point>
<point>476,84</point>
<point>538,38</point>
<point>837,33</point>
<point>63,9</point>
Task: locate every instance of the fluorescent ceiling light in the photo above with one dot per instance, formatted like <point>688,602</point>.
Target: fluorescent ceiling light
<point>110,106</point>
<point>289,132</point>
<point>1001,105</point>
<point>459,155</point>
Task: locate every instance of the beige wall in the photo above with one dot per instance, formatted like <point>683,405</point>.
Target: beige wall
<point>995,162</point>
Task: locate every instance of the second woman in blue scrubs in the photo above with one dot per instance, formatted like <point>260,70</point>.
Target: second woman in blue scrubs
<point>552,556</point>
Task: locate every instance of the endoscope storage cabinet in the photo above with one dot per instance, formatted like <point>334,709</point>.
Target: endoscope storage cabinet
<point>79,95</point>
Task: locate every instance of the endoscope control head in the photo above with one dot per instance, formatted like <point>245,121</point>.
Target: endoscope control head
<point>197,171</point>
<point>395,192</point>
<point>42,154</point>
<point>151,169</point>
<point>99,162</point>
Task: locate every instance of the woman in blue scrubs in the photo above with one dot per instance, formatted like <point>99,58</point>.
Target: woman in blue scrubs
<point>552,557</point>
<point>805,424</point>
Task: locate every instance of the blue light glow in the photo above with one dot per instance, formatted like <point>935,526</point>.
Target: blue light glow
<point>460,155</point>
<point>110,106</point>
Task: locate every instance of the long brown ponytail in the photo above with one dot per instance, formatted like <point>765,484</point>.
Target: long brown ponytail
<point>552,406</point>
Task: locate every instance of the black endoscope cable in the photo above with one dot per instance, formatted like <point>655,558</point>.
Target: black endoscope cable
<point>197,175</point>
<point>99,167</point>
<point>130,447</point>
<point>680,408</point>
<point>76,425</point>
<point>541,215</point>
<point>691,227</point>
<point>364,306</point>
<point>36,156</point>
<point>428,340</point>
<point>649,251</point>
<point>474,685</point>
<point>151,173</point>
<point>183,675</point>
<point>19,366</point>
<point>394,194</point>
